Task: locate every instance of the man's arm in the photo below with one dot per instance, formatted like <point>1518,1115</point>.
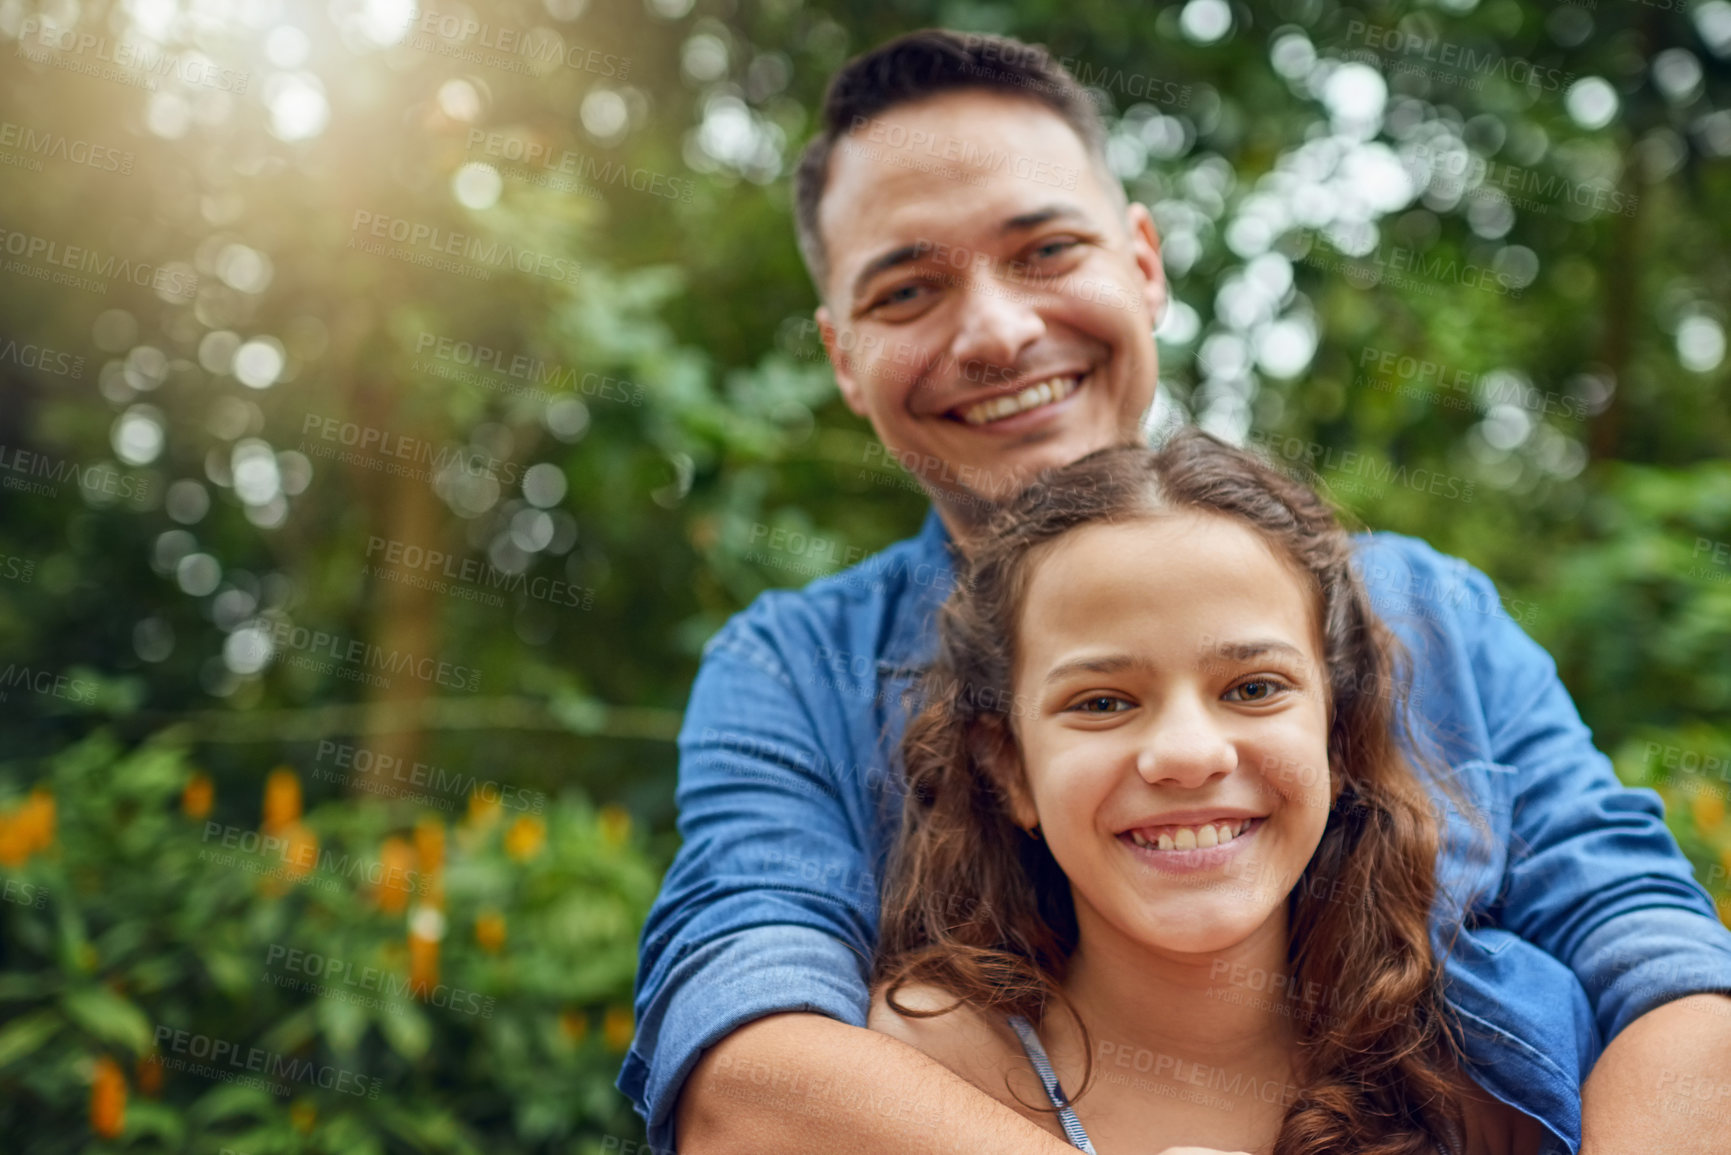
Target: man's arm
<point>1597,880</point>
<point>1674,1062</point>
<point>804,1083</point>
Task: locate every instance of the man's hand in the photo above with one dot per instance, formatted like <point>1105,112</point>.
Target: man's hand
<point>1664,1083</point>
<point>797,1083</point>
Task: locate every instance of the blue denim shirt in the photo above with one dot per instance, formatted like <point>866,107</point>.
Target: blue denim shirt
<point>1581,914</point>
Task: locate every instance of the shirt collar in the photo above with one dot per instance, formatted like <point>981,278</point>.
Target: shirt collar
<point>929,577</point>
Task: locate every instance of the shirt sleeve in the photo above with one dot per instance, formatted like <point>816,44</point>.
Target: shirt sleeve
<point>769,904</point>
<point>1594,876</point>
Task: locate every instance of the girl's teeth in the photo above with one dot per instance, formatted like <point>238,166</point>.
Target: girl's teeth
<point>1192,838</point>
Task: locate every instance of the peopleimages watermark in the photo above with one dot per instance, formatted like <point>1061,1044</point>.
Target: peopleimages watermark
<point>532,154</point>
<point>315,973</point>
<point>354,659</point>
<point>1403,268</point>
<point>1137,85</point>
<point>469,578</point>
<point>434,244</point>
<point>42,359</point>
<point>361,763</point>
<point>1408,50</point>
<point>506,48</point>
<point>16,890</point>
<point>1458,172</point>
<point>32,471</point>
<point>305,856</point>
<point>1350,463</point>
<point>90,54</point>
<point>59,263</point>
<point>538,375</point>
<point>45,683</point>
<point>402,451</point>
<point>1409,376</point>
<point>36,145</point>
<point>960,150</point>
<point>227,1062</point>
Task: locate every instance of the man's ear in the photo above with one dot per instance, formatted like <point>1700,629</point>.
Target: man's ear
<point>1145,250</point>
<point>841,363</point>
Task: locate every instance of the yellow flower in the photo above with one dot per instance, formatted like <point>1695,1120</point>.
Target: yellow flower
<point>574,1023</point>
<point>490,931</point>
<point>617,1027</point>
<point>108,1099</point>
<point>523,840</point>
<point>483,811</point>
<point>430,844</point>
<point>398,862</point>
<point>1708,808</point>
<point>1723,904</point>
<point>282,799</point>
<point>300,850</point>
<point>195,800</point>
<point>615,825</point>
<point>303,1115</point>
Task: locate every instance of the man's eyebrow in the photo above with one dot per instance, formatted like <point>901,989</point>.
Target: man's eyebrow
<point>908,254</point>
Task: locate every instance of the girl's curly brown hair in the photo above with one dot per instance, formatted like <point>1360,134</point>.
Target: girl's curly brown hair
<point>975,907</point>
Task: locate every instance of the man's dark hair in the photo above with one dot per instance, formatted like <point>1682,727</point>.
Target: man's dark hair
<point>922,64</point>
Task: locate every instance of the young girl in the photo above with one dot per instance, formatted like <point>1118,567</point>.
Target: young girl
<point>1156,780</point>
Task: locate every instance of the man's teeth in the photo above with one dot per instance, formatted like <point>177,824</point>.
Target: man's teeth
<point>1192,837</point>
<point>1034,396</point>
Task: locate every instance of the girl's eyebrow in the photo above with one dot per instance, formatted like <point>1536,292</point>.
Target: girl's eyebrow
<point>1238,651</point>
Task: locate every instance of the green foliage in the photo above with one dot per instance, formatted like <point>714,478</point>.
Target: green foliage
<point>274,987</point>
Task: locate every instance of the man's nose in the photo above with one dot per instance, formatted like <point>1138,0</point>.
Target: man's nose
<point>1185,746</point>
<point>995,326</point>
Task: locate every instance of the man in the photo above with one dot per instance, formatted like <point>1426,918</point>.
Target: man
<point>988,299</point>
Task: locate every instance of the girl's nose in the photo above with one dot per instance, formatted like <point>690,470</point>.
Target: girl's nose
<point>1185,746</point>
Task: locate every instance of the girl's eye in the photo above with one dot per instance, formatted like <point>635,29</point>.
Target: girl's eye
<point>1101,704</point>
<point>1254,690</point>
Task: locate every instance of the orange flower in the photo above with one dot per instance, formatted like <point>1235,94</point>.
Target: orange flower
<point>303,1115</point>
<point>149,1073</point>
<point>1723,905</point>
<point>617,1027</point>
<point>14,841</point>
<point>392,892</point>
<point>574,1023</point>
<point>1708,808</point>
<point>523,840</point>
<point>423,965</point>
<point>490,931</point>
<point>195,800</point>
<point>282,799</point>
<point>108,1099</point>
<point>37,817</point>
<point>615,825</point>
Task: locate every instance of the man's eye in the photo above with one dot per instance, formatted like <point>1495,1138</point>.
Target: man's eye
<point>1101,704</point>
<point>1255,690</point>
<point>901,295</point>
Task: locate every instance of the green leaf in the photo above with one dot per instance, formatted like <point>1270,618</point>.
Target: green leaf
<point>109,1017</point>
<point>407,1030</point>
<point>23,1036</point>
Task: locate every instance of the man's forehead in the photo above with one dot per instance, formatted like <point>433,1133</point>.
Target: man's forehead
<point>959,166</point>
